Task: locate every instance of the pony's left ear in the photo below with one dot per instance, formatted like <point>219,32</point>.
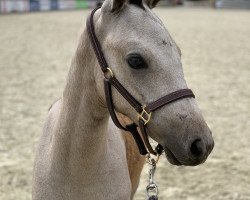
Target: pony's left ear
<point>113,5</point>
<point>151,3</point>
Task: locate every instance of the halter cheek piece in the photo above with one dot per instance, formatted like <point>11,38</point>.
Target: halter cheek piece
<point>144,112</point>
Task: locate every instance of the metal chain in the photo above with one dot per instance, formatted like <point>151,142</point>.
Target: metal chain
<point>152,189</point>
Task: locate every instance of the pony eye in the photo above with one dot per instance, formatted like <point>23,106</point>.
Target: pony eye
<point>135,61</point>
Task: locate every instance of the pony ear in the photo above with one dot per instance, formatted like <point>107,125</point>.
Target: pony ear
<point>117,5</point>
<point>151,3</point>
<point>137,2</point>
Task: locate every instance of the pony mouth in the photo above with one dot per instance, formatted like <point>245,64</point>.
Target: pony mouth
<point>171,157</point>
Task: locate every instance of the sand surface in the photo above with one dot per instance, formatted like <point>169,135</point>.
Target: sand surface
<point>35,52</point>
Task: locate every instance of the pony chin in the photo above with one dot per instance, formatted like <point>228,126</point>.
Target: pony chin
<point>171,157</point>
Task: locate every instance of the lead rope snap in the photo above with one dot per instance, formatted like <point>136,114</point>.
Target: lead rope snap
<point>152,189</point>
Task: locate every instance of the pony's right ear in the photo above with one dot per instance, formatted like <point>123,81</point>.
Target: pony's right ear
<point>117,5</point>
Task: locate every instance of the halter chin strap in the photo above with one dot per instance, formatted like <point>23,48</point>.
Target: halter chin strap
<point>144,111</point>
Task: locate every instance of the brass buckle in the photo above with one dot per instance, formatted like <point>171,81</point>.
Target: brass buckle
<point>108,73</point>
<point>144,115</point>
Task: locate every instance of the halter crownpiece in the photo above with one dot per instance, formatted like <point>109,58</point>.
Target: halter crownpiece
<point>144,111</point>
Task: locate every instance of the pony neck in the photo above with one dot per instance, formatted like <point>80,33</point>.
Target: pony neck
<point>83,121</point>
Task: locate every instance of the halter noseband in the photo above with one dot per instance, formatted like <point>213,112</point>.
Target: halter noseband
<point>144,112</point>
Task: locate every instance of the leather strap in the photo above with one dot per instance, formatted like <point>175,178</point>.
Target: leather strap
<point>179,94</point>
<point>109,101</point>
<point>132,101</point>
<point>145,137</point>
<point>132,128</point>
<point>94,41</point>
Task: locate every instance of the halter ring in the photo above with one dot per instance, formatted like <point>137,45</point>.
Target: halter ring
<point>108,73</point>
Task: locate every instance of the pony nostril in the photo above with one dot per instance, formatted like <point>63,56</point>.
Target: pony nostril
<point>197,149</point>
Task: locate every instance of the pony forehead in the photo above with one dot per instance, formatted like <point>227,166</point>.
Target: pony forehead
<point>135,32</point>
<point>133,14</point>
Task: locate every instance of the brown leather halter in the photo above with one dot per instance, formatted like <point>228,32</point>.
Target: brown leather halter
<point>143,111</point>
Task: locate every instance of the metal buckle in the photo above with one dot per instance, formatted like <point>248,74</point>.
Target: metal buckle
<point>108,73</point>
<point>144,115</point>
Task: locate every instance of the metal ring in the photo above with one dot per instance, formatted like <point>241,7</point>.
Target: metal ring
<point>109,73</point>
